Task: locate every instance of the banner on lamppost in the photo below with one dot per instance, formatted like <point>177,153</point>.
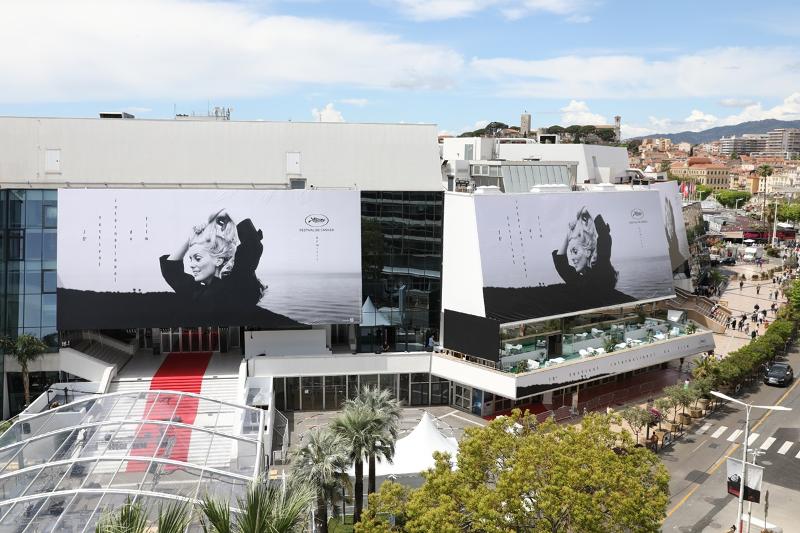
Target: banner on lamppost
<point>752,487</point>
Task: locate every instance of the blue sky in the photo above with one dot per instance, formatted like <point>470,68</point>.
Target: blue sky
<point>458,63</point>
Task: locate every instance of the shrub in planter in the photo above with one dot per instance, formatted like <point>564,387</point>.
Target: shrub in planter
<point>754,277</point>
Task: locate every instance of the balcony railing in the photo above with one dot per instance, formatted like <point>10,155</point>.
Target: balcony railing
<point>595,342</point>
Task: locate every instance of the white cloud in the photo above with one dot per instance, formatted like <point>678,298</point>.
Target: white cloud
<point>327,114</point>
<point>357,102</point>
<point>736,102</point>
<point>699,120</point>
<point>426,10</point>
<point>186,50</point>
<point>720,72</point>
<point>577,112</point>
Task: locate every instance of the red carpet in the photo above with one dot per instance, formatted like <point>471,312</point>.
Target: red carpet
<point>179,372</point>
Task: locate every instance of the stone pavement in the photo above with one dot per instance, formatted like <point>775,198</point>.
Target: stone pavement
<point>742,301</point>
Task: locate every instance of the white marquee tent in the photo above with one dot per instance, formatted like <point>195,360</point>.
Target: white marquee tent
<point>414,452</point>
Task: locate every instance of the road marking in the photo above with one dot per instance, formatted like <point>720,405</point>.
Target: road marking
<point>753,436</point>
<point>767,443</point>
<point>732,450</point>
<point>735,435</point>
<point>718,433</point>
<point>785,448</point>
<point>703,429</point>
<point>454,415</point>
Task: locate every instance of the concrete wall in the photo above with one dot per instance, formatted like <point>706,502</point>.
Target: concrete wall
<point>326,365</point>
<point>96,152</point>
<point>300,342</point>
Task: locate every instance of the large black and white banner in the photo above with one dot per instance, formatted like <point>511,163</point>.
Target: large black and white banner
<point>164,258</point>
<point>752,483</point>
<point>675,228</point>
<point>554,254</point>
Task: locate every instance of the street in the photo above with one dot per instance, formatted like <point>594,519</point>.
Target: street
<point>699,500</point>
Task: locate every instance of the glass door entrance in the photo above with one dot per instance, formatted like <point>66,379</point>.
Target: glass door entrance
<point>190,340</point>
<point>462,397</point>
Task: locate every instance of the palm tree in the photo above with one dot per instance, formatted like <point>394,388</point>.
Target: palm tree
<point>387,411</point>
<point>265,508</point>
<point>132,518</point>
<point>764,171</point>
<point>322,463</point>
<point>25,349</point>
<point>361,429</point>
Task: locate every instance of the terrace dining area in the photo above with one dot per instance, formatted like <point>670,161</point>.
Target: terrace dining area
<point>540,352</point>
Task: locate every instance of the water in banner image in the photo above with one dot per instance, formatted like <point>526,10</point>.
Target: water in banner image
<point>314,298</point>
<point>643,278</point>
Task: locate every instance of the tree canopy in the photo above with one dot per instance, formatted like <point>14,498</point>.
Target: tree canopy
<point>518,475</point>
<point>729,198</point>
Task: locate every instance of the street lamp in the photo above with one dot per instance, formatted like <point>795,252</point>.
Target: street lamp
<point>747,407</point>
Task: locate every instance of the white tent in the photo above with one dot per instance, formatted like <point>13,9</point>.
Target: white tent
<point>370,316</point>
<point>414,452</point>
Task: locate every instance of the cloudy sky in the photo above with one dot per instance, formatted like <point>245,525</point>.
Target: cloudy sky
<point>664,67</point>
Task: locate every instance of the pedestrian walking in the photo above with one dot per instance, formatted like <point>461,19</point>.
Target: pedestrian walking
<point>758,289</point>
<point>741,284</point>
<point>753,335</point>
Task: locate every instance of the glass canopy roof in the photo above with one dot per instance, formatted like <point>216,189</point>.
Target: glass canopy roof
<point>60,470</point>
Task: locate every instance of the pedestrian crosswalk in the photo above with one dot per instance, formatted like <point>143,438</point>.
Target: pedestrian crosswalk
<point>754,439</point>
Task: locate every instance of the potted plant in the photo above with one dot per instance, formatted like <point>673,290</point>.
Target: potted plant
<point>662,405</point>
<point>609,344</point>
<point>691,327</point>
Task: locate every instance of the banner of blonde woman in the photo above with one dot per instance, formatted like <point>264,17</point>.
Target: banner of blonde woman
<point>164,258</point>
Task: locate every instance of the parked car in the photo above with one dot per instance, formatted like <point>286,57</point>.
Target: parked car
<point>779,374</point>
<point>728,261</point>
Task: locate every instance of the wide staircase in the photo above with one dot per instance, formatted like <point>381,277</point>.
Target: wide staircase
<point>197,373</point>
<point>700,309</point>
<point>103,352</point>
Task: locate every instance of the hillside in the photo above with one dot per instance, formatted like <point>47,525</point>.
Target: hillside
<point>713,134</point>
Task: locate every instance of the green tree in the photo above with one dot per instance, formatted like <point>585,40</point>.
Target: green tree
<point>734,155</point>
<point>607,135</point>
<point>361,430</point>
<point>387,410</point>
<point>517,475</point>
<point>556,129</point>
<point>637,419</point>
<point>664,167</point>
<point>265,507</point>
<point>703,191</point>
<point>663,406</point>
<point>322,463</point>
<point>25,349</point>
<point>385,507</point>
<point>733,198</point>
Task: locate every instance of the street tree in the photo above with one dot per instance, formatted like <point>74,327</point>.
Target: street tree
<point>363,433</point>
<point>25,349</point>
<point>517,475</point>
<point>636,418</point>
<point>386,410</point>
<point>322,463</point>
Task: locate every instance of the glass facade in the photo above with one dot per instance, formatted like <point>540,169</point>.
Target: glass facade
<point>401,250</point>
<point>315,393</point>
<point>28,263</point>
<point>27,271</point>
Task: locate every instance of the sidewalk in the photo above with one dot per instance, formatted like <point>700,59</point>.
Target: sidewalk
<point>742,301</point>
